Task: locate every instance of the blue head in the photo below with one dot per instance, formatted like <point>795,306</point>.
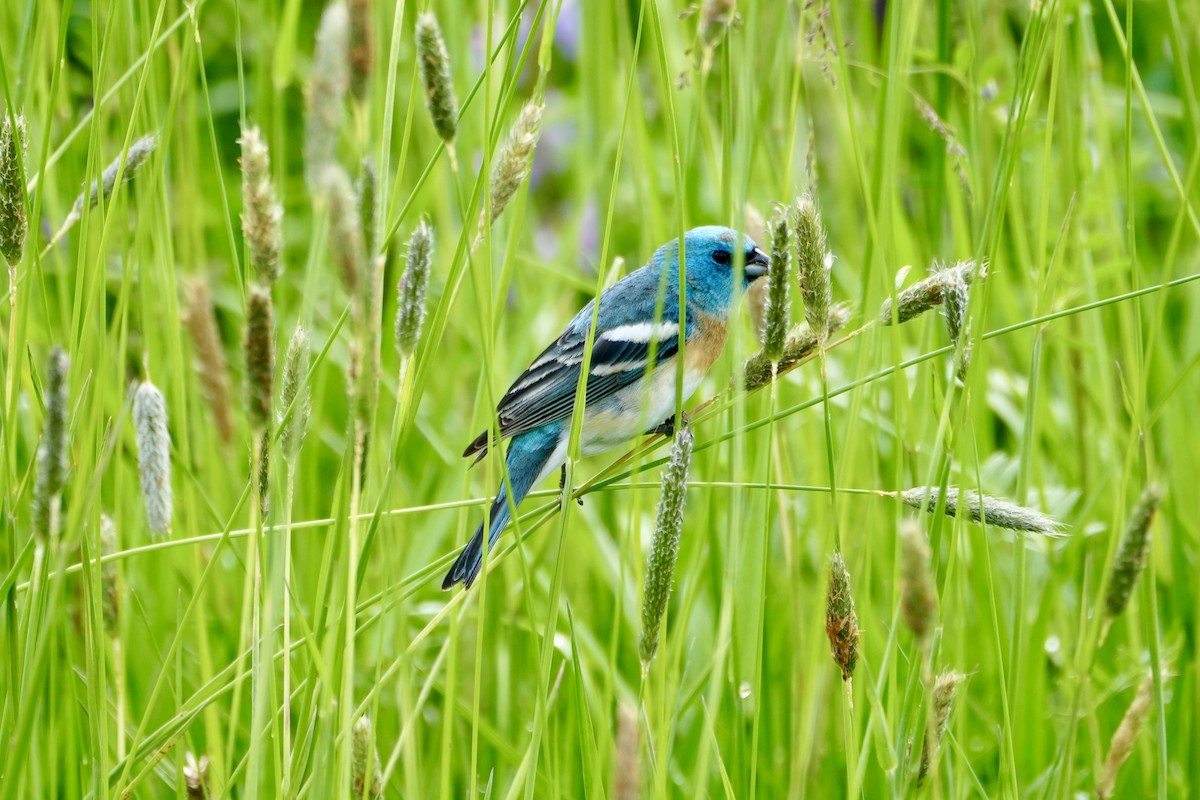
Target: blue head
<point>713,253</point>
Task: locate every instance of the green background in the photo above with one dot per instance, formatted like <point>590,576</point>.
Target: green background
<point>1057,140</point>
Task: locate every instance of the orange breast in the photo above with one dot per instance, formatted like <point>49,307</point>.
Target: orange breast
<point>704,348</point>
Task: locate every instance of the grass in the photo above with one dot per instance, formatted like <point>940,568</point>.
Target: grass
<point>1056,141</point>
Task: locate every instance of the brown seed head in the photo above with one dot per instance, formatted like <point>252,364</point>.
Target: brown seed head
<point>362,46</point>
<point>841,620</point>
<point>260,356</point>
<point>210,355</point>
<point>1125,738</point>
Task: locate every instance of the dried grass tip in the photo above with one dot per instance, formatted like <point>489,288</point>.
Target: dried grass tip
<point>841,620</point>
<point>210,355</point>
<point>1125,738</point>
<point>981,508</point>
<point>664,550</point>
<point>154,455</point>
<point>924,295</point>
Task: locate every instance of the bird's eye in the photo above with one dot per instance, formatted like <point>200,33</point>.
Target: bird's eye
<point>722,257</point>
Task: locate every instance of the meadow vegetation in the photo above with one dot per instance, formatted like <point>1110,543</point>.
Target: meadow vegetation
<point>270,266</point>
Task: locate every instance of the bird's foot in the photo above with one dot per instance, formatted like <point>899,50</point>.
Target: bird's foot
<point>562,483</point>
<point>667,426</point>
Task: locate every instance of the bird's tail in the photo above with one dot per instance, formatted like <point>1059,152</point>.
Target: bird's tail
<point>528,460</point>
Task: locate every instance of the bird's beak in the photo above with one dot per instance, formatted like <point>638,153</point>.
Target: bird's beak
<point>756,264</point>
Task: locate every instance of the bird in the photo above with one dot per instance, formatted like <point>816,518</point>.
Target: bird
<point>626,395</point>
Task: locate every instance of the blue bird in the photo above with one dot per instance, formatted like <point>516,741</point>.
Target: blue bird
<point>627,396</point>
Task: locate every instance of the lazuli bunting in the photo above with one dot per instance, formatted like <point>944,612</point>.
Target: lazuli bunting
<point>626,395</point>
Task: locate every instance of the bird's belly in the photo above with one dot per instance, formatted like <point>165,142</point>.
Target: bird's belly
<point>633,410</point>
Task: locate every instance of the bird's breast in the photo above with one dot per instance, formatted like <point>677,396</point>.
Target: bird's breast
<point>704,346</point>
<point>636,408</point>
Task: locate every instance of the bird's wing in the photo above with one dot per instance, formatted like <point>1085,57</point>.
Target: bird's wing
<point>545,392</point>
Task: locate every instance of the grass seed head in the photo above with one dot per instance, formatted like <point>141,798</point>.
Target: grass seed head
<point>434,63</point>
<point>1133,552</point>
<point>1125,738</point>
<point>627,765</point>
<point>367,182</point>
<point>14,222</point>
<point>918,595</point>
<point>801,344</point>
<point>210,355</point>
<point>261,212</point>
<point>716,18</point>
<point>328,82</point>
<point>137,156</point>
<point>345,231</point>
<point>195,776</point>
<point>814,263</point>
<point>110,590</point>
<point>295,395</point>
<point>955,293</point>
<point>756,295</point>
<point>778,307</point>
<point>53,462</point>
<point>264,475</point>
<point>260,356</point>
<point>362,47</point>
<point>367,774</point>
<point>660,567</point>
<point>944,690</point>
<point>929,293</point>
<point>512,163</point>
<point>983,508</point>
<point>154,455</point>
<point>361,380</point>
<point>413,286</point>
<point>841,620</point>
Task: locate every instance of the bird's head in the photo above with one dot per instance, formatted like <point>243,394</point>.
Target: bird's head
<point>721,264</point>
